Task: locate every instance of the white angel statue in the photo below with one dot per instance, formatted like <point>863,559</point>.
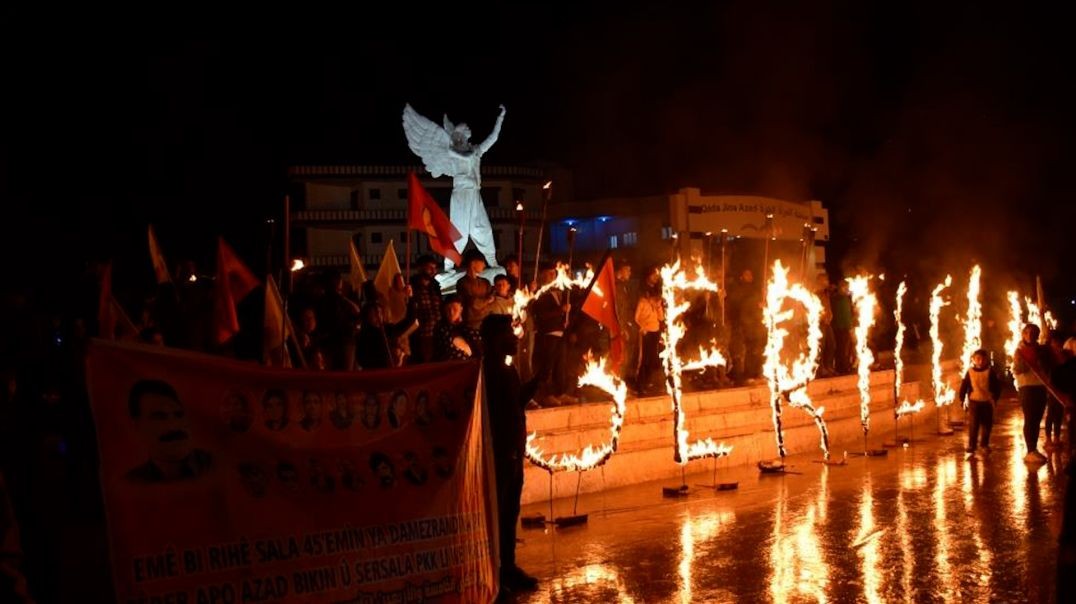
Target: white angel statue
<point>448,150</point>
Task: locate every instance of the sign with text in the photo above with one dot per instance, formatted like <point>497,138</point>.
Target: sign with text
<point>228,482</point>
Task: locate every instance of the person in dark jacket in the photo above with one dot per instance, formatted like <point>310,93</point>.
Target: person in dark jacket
<point>1031,366</point>
<point>426,308</point>
<point>338,318</point>
<point>982,389</point>
<point>550,313</point>
<point>506,399</point>
<point>453,340</point>
<point>842,323</point>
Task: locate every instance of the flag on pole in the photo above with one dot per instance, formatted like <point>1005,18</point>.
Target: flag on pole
<point>600,305</point>
<point>234,282</point>
<point>160,267</point>
<point>111,318</point>
<point>390,266</point>
<point>423,214</point>
<point>358,272</point>
<point>274,352</point>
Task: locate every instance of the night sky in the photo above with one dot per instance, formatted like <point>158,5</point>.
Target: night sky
<point>934,134</point>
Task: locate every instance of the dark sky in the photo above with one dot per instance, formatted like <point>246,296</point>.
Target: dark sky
<point>933,133</point>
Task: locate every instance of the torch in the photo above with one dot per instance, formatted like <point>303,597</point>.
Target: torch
<point>519,249</point>
<point>547,193</point>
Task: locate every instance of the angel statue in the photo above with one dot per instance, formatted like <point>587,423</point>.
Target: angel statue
<point>448,150</point>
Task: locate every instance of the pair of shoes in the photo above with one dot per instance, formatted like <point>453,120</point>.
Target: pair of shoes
<point>1035,457</point>
<point>515,578</point>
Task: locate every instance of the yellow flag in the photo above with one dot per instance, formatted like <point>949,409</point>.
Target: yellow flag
<point>160,267</point>
<point>390,266</point>
<point>274,353</point>
<point>358,273</point>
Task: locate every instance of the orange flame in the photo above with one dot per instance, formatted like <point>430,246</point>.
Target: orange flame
<point>674,281</point>
<point>943,393</point>
<point>1016,326</point>
<point>595,374</point>
<point>973,322</point>
<point>865,303</point>
<point>906,407</point>
<point>791,380</point>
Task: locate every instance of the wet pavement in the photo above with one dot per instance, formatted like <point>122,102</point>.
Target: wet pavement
<point>923,524</point>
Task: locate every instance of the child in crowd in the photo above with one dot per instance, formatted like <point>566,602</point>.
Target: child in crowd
<point>982,388</point>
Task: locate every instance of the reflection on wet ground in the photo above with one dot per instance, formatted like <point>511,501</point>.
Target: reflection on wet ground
<point>921,525</point>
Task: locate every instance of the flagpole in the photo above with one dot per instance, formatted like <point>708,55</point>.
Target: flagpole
<point>547,192</point>
<point>286,281</point>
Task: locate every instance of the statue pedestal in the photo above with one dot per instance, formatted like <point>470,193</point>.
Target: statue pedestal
<point>447,280</point>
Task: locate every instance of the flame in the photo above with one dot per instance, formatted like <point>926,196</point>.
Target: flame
<point>297,264</point>
<point>1016,326</point>
<point>865,304</point>
<point>595,374</point>
<point>1035,316</point>
<point>1050,319</point>
<point>790,381</point>
<point>563,281</point>
<point>943,393</point>
<point>1034,313</point>
<point>673,281</point>
<point>907,407</point>
<point>973,322</point>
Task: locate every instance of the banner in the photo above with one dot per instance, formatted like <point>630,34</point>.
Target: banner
<point>230,482</point>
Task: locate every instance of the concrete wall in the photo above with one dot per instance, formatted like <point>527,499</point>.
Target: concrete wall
<point>740,417</point>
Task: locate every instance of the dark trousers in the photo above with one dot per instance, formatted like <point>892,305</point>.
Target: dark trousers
<point>982,418</point>
<point>1055,414</point>
<point>423,348</point>
<point>1033,404</point>
<point>549,362</point>
<point>649,361</point>
<point>829,349</point>
<point>509,468</point>
<point>843,340</point>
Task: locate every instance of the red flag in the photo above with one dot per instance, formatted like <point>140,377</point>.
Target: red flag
<point>234,282</point>
<point>111,318</point>
<point>600,305</point>
<point>423,214</point>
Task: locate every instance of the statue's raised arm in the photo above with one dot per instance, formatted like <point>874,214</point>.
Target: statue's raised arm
<point>429,141</point>
<point>492,138</point>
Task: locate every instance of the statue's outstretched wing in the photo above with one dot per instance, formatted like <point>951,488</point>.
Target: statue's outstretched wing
<point>428,141</point>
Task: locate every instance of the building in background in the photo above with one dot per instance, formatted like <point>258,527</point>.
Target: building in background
<point>653,229</point>
<point>333,204</point>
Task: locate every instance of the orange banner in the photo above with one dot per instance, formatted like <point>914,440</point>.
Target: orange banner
<point>228,482</point>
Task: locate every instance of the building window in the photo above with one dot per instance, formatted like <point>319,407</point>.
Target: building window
<point>612,242</point>
<point>630,238</point>
<point>375,193</point>
<point>401,193</point>
<point>490,196</point>
<point>518,194</point>
<point>375,237</point>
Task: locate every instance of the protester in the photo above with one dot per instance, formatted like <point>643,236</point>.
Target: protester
<point>454,340</point>
<point>508,426</point>
<point>339,318</point>
<point>627,298</point>
<point>1063,378</point>
<point>475,292</point>
<point>1055,411</point>
<point>649,315</point>
<point>426,308</point>
<point>842,323</point>
<point>513,270</point>
<point>550,314</point>
<point>1031,364</point>
<point>982,389</point>
<point>827,367</point>
<point>503,291</point>
<point>309,339</point>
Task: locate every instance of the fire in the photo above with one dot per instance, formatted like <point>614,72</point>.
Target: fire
<point>563,281</point>
<point>1050,319</point>
<point>865,304</point>
<point>675,280</point>
<point>790,381</point>
<point>592,456</point>
<point>943,393</point>
<point>905,407</point>
<point>973,321</point>
<point>1034,313</point>
<point>297,264</point>
<point>1035,316</point>
<point>1016,326</point>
